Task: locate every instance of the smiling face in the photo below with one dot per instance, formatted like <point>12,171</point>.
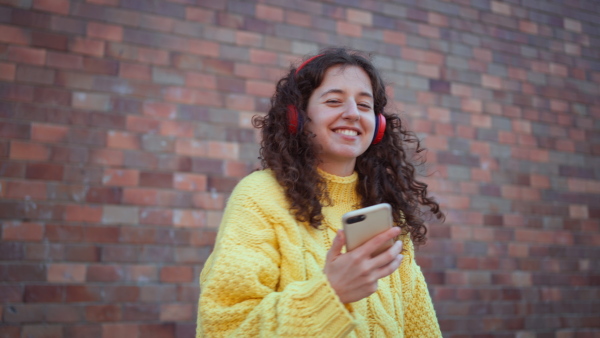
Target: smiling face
<point>342,118</point>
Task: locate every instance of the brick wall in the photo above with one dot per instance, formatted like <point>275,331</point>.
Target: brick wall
<point>124,125</point>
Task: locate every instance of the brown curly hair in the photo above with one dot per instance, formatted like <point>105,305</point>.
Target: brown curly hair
<point>385,171</point>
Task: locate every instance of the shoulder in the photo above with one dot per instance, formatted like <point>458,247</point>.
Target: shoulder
<point>258,183</point>
<point>259,190</point>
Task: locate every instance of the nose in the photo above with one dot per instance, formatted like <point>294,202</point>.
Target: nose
<point>351,112</point>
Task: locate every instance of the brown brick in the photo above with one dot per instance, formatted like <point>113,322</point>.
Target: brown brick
<point>166,330</point>
<point>103,313</point>
<point>141,312</point>
<point>83,293</point>
<point>44,171</point>
<point>44,293</point>
<point>120,330</point>
<point>83,330</point>
<point>82,213</point>
<point>49,40</point>
<point>156,179</point>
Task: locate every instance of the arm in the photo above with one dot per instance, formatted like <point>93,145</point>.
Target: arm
<point>239,287</point>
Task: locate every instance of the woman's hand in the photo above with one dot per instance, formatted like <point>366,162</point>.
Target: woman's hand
<point>354,275</point>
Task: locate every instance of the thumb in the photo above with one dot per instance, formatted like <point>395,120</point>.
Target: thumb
<point>336,247</point>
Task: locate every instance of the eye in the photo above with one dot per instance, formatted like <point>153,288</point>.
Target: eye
<point>333,101</point>
<point>365,105</point>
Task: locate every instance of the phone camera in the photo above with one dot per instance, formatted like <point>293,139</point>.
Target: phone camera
<point>356,219</point>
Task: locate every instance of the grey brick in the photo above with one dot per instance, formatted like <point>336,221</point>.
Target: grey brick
<point>501,123</point>
<point>458,172</point>
<point>488,203</point>
<point>167,76</point>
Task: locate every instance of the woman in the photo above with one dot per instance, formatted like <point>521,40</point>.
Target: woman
<point>278,268</point>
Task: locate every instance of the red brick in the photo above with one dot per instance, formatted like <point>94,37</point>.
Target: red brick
<point>87,46</point>
<point>48,133</point>
<point>122,140</point>
<point>28,151</point>
<point>190,182</point>
<point>349,29</point>
<point>103,313</point>
<point>176,274</point>
<point>14,35</point>
<point>177,128</point>
<point>27,55</point>
<point>107,157</point>
<point>142,273</point>
<point>64,233</point>
<point>199,14</point>
<point>22,231</point>
<point>189,218</point>
<point>135,71</point>
<point>141,312</point>
<point>54,6</point>
<point>269,13</point>
<point>120,177</point>
<point>66,273</point>
<point>176,312</point>
<point>156,216</point>
<point>83,213</point>
<point>105,31</point>
<point>25,190</point>
<point>203,47</point>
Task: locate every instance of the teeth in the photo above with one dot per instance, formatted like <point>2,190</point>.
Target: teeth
<point>347,132</point>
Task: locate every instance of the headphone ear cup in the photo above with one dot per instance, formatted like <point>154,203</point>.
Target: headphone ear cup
<point>380,124</point>
<point>295,120</point>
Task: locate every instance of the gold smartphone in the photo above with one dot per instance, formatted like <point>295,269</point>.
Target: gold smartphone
<point>365,223</point>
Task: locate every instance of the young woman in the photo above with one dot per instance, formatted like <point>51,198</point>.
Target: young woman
<point>278,267</point>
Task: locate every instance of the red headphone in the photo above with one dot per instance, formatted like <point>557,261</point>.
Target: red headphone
<point>295,119</point>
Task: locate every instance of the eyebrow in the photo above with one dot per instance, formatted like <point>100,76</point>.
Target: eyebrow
<point>339,91</point>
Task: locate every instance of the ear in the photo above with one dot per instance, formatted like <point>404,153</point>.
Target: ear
<point>380,123</point>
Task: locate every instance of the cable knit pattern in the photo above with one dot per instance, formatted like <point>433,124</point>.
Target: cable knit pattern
<point>265,276</point>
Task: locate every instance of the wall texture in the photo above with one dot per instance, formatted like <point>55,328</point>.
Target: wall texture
<point>125,124</point>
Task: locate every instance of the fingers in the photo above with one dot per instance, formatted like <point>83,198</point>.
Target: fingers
<point>374,243</point>
<point>388,269</point>
<point>336,247</point>
<point>388,255</point>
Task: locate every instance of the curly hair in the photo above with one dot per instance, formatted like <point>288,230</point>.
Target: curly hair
<point>385,171</point>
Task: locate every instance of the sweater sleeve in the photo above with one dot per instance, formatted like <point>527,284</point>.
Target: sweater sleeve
<point>421,320</point>
<point>241,294</point>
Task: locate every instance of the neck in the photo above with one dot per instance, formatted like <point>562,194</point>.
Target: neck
<point>338,169</point>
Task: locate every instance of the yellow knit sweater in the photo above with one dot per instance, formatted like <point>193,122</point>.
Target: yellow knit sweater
<point>265,276</point>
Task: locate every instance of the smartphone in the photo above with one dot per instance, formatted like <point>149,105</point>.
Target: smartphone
<point>363,224</point>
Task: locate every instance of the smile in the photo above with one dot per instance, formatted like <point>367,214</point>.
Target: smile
<point>346,132</point>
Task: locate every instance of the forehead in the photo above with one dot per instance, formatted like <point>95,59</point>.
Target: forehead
<point>346,78</point>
